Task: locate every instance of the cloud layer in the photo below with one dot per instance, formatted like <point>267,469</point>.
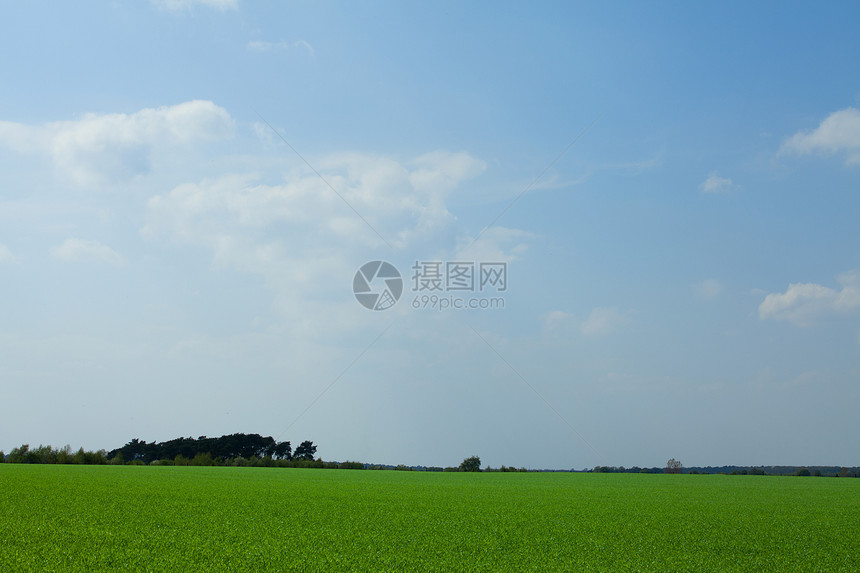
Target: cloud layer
<point>301,233</point>
<point>101,148</point>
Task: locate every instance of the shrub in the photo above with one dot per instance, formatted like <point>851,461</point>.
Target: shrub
<point>202,459</point>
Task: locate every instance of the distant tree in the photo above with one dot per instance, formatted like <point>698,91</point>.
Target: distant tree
<point>305,451</point>
<point>802,472</point>
<point>19,455</point>
<point>283,451</point>
<point>2,457</point>
<point>65,455</point>
<point>472,464</point>
<point>351,466</point>
<point>674,466</point>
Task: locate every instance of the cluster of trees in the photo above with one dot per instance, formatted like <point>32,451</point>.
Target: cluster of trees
<point>235,449</point>
<point>255,462</point>
<point>461,468</point>
<point>49,455</point>
<point>623,470</point>
<point>223,449</point>
<point>676,467</point>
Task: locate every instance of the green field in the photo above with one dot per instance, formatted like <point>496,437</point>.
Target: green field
<point>215,518</point>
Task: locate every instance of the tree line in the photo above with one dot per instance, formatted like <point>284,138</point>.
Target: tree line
<point>821,471</point>
<point>233,449</point>
<point>224,448</point>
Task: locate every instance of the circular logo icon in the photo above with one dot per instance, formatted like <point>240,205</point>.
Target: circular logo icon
<point>377,285</point>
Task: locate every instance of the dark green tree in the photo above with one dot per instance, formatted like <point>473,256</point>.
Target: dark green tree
<point>305,451</point>
<point>472,464</point>
<point>283,451</point>
<point>19,455</point>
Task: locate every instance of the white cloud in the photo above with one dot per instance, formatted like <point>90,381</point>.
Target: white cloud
<point>602,321</point>
<point>300,235</point>
<point>496,244</point>
<point>395,199</point>
<point>392,197</point>
<point>839,132</point>
<point>78,250</point>
<point>442,170</point>
<point>111,147</point>
<point>6,255</point>
<point>802,303</point>
<point>708,289</point>
<point>187,5</point>
<point>716,184</point>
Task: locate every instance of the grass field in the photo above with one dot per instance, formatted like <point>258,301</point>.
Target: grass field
<point>214,518</point>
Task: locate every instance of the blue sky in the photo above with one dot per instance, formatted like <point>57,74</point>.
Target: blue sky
<point>675,191</point>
